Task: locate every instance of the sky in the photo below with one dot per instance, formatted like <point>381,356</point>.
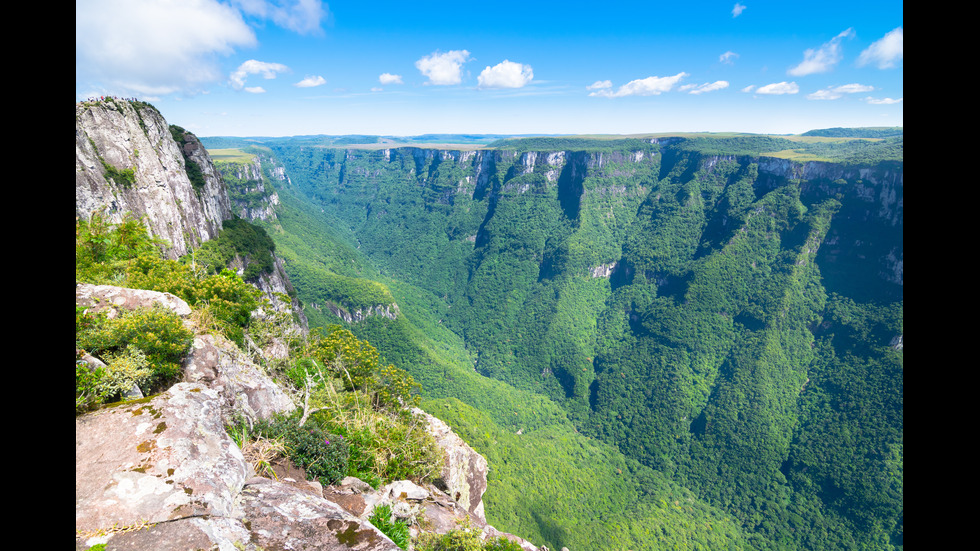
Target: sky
<point>300,67</point>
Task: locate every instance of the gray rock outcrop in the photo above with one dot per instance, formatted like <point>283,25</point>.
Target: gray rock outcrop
<point>128,164</point>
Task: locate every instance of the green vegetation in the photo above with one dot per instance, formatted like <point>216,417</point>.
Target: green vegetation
<point>396,529</point>
<point>465,537</point>
<point>353,420</point>
<point>654,345</point>
<point>142,347</point>
<point>194,173</point>
<point>869,132</point>
<point>238,240</point>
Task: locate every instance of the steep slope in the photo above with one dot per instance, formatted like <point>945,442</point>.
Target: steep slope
<point>695,303</point>
<point>128,161</point>
<point>583,494</point>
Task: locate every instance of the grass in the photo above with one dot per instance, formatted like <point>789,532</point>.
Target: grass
<point>230,155</point>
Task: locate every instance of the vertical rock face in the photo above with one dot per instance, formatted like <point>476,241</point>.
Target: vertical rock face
<point>128,163</point>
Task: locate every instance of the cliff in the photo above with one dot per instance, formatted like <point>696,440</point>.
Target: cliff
<point>162,473</point>
<point>694,304</point>
<point>127,162</point>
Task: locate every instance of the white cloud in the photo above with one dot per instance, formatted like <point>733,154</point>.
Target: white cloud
<point>749,88</point>
<point>506,74</point>
<point>311,81</point>
<point>728,57</point>
<point>443,69</point>
<point>155,47</point>
<point>255,89</point>
<point>738,9</point>
<point>388,78</point>
<point>377,89</point>
<point>837,92</point>
<point>779,88</point>
<point>822,59</point>
<point>706,87</point>
<point>885,52</point>
<point>255,67</point>
<point>883,101</point>
<point>301,16</point>
<point>599,85</point>
<point>650,86</point>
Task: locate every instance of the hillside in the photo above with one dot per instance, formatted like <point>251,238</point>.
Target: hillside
<point>626,325</point>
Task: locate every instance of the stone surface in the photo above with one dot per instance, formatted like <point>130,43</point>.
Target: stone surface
<point>464,473</point>
<point>155,460</point>
<point>111,300</point>
<point>277,513</point>
<point>130,136</point>
<point>243,388</point>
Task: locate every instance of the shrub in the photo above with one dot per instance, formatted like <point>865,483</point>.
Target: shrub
<point>102,249</point>
<point>323,456</point>
<point>151,338</point>
<point>86,380</point>
<point>463,538</point>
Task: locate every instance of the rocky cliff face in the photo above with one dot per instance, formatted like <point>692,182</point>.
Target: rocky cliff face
<point>128,163</point>
<point>161,473</point>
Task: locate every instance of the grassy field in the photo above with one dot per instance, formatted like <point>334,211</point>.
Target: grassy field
<point>230,155</point>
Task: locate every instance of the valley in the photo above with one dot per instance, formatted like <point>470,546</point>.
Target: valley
<point>687,341</point>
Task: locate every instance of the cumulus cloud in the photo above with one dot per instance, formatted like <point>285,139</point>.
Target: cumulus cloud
<point>301,16</point>
<point>737,10</point>
<point>885,52</point>
<point>822,59</point>
<point>706,87</point>
<point>506,74</point>
<point>728,58</point>
<point>599,85</point>
<point>650,86</point>
<point>255,67</point>
<point>311,81</point>
<point>779,88</point>
<point>443,69</point>
<point>837,92</point>
<point>388,78</point>
<point>155,46</point>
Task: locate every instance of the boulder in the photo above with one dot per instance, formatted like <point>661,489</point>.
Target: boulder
<point>112,300</point>
<point>464,472</point>
<point>243,387</point>
<point>280,516</point>
<point>155,461</point>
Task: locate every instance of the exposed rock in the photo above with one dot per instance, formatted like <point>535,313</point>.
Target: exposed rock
<point>156,461</point>
<point>389,311</point>
<point>464,473</point>
<point>150,178</point>
<point>241,385</point>
<point>283,517</point>
<point>161,474</point>
<point>110,299</point>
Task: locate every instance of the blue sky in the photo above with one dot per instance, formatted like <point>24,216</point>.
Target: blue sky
<point>291,67</point>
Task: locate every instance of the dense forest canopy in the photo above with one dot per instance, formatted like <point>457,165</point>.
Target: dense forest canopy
<point>656,342</point>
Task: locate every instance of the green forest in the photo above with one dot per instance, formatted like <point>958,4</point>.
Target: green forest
<point>657,344</point>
